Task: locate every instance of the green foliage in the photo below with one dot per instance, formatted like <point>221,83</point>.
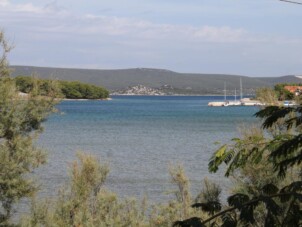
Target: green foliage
<point>77,90</point>
<point>180,179</point>
<point>228,220</point>
<point>266,163</point>
<point>282,93</point>
<point>209,193</point>
<point>191,222</point>
<point>288,153</point>
<point>70,90</point>
<point>24,83</point>
<point>85,201</point>
<point>240,153</point>
<point>20,123</point>
<point>273,96</point>
<point>267,96</point>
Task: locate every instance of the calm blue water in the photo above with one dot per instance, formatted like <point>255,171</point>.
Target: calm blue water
<point>140,136</point>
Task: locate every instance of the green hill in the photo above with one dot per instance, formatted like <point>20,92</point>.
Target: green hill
<point>173,82</point>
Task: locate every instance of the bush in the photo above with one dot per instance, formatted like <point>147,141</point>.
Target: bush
<point>20,123</point>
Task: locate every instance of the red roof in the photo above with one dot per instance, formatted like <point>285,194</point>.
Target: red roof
<point>293,89</point>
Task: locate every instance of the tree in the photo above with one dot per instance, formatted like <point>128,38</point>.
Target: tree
<point>24,83</point>
<point>276,155</point>
<point>282,93</point>
<point>20,123</point>
<point>267,96</point>
<point>69,89</point>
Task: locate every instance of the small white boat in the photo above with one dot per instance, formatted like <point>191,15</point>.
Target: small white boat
<point>217,104</point>
<point>233,103</point>
<point>289,103</point>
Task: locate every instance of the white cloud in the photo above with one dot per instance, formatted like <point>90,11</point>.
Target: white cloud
<point>29,7</point>
<point>56,19</point>
<point>4,3</point>
<point>148,30</point>
<point>221,34</point>
<point>79,38</point>
<point>67,22</point>
<point>10,7</point>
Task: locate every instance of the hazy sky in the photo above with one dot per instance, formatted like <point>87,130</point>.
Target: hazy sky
<point>246,37</point>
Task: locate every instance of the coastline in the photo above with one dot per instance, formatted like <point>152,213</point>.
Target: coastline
<point>196,95</point>
<point>105,99</point>
<point>25,96</point>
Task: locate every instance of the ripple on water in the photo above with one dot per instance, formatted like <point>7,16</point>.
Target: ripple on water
<point>139,137</point>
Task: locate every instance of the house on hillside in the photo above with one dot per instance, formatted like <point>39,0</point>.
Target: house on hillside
<point>297,90</point>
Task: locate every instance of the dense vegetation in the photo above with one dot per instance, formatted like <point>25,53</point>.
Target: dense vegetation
<point>20,123</point>
<point>69,89</point>
<point>276,95</point>
<point>282,93</point>
<point>266,164</point>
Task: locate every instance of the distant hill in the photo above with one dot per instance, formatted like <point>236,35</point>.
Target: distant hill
<point>282,79</point>
<point>172,82</point>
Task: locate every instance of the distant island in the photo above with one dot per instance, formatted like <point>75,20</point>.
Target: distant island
<point>145,81</point>
<point>68,89</point>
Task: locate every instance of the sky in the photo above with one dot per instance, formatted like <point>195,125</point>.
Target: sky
<point>242,37</point>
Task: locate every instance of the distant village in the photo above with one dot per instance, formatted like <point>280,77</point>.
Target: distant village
<point>294,89</point>
<point>139,90</point>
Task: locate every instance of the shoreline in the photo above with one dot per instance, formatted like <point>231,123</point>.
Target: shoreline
<point>178,95</point>
<point>25,95</point>
<point>106,99</point>
<point>175,95</point>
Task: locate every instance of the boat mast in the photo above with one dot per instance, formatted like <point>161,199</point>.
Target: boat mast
<point>240,88</point>
<point>224,91</point>
<point>235,96</point>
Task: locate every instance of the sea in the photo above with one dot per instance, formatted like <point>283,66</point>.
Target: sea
<point>141,137</point>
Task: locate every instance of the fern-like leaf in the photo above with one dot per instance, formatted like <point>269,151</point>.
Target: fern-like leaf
<point>293,217</point>
<point>247,214</point>
<point>272,114</point>
<point>267,111</point>
<point>228,220</point>
<point>270,221</point>
<point>287,192</point>
<point>191,222</point>
<point>209,207</point>
<point>218,158</point>
<point>270,189</point>
<point>271,206</point>
<point>289,152</point>
<point>293,187</point>
<point>288,147</point>
<point>238,200</point>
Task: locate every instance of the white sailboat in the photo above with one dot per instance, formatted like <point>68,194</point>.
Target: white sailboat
<point>235,102</point>
<point>241,102</point>
<point>226,102</point>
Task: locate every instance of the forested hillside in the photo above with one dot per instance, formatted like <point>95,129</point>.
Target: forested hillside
<point>178,83</point>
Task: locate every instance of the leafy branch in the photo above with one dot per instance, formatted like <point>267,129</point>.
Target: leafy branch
<point>245,206</point>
